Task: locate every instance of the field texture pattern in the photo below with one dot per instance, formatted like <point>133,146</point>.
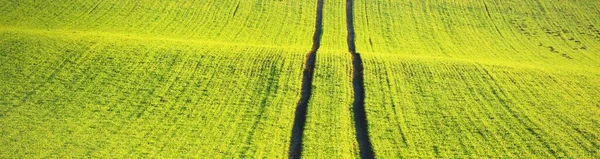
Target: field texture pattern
<point>227,78</point>
<point>489,79</point>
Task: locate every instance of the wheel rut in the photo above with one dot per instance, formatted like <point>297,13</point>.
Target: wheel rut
<point>295,150</point>
<point>360,115</point>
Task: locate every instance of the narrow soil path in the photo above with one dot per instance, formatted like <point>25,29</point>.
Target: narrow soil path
<point>307,78</point>
<point>360,115</point>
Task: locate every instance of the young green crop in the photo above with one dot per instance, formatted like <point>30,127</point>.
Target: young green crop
<point>283,23</point>
<point>438,108</point>
<point>221,78</point>
<point>329,131</point>
<point>523,32</point>
<point>127,98</point>
<point>163,79</point>
<point>482,79</point>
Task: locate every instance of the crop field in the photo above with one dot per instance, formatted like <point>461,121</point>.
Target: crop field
<point>482,79</point>
<point>154,79</point>
<point>161,99</point>
<point>300,79</point>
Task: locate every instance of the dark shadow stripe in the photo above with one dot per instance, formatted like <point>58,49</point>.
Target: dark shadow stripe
<point>307,77</point>
<point>360,115</point>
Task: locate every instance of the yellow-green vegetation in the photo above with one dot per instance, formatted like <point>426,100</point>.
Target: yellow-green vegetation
<point>482,79</point>
<point>329,131</point>
<point>222,78</point>
<point>126,98</point>
<point>232,21</point>
<point>329,128</point>
<point>164,79</point>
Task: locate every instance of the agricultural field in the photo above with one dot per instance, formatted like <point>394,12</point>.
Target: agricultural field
<point>329,128</point>
<point>481,79</point>
<point>236,79</point>
<point>158,99</point>
<point>150,79</point>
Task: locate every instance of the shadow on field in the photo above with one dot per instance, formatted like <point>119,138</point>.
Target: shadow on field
<point>360,115</point>
<point>307,78</point>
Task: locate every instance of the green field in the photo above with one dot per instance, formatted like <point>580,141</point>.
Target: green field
<point>518,79</point>
<point>222,78</point>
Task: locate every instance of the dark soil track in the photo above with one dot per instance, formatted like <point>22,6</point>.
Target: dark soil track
<point>360,115</point>
<point>307,78</point>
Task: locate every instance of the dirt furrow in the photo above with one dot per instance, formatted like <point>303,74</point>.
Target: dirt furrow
<point>360,115</point>
<point>307,77</point>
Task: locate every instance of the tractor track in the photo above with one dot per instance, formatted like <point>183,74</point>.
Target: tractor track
<point>360,115</point>
<point>295,150</point>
